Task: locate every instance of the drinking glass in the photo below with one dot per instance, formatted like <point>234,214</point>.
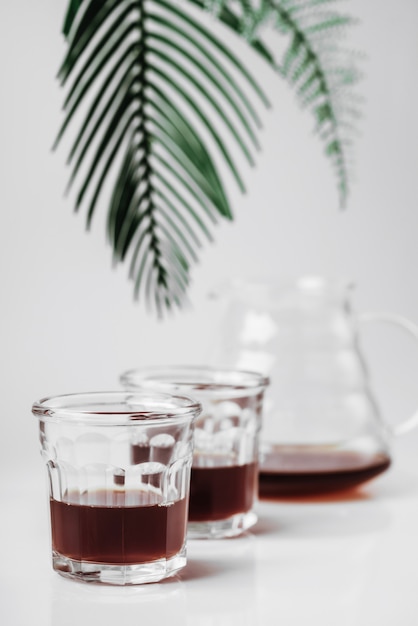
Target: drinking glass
<point>118,467</point>
<point>224,474</point>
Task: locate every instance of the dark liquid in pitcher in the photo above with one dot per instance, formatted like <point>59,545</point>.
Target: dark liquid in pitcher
<point>285,472</point>
<point>220,492</point>
<point>117,535</point>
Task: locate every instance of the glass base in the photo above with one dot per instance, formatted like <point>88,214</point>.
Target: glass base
<point>107,574</point>
<point>219,529</point>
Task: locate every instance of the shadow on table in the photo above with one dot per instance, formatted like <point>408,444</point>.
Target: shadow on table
<point>76,602</point>
<point>360,513</point>
<point>200,568</point>
<point>214,557</point>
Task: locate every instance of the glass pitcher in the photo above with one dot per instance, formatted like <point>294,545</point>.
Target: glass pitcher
<point>322,429</point>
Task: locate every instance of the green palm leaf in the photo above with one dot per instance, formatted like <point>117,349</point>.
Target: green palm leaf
<point>323,74</point>
<point>136,73</point>
<point>314,63</point>
<point>164,104</point>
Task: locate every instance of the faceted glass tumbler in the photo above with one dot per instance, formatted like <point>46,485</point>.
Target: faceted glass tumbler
<point>224,479</point>
<point>118,467</point>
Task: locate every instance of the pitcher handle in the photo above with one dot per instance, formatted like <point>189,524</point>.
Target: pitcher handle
<point>412,329</point>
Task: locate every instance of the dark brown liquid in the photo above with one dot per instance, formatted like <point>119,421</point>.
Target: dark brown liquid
<point>219,492</point>
<point>117,535</point>
<point>287,472</point>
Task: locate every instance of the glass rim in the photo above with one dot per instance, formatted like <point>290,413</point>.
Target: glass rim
<point>310,284</point>
<point>208,380</point>
<point>112,408</point>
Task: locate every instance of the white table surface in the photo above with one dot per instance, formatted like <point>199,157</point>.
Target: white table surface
<point>343,562</point>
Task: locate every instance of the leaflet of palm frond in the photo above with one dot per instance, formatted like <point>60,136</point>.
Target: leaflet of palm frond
<point>123,203</point>
<point>186,134</point>
<point>236,23</point>
<point>308,65</point>
<point>91,15</point>
<point>182,158</point>
<point>72,10</point>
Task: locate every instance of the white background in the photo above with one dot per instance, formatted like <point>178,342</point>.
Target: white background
<point>69,321</point>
